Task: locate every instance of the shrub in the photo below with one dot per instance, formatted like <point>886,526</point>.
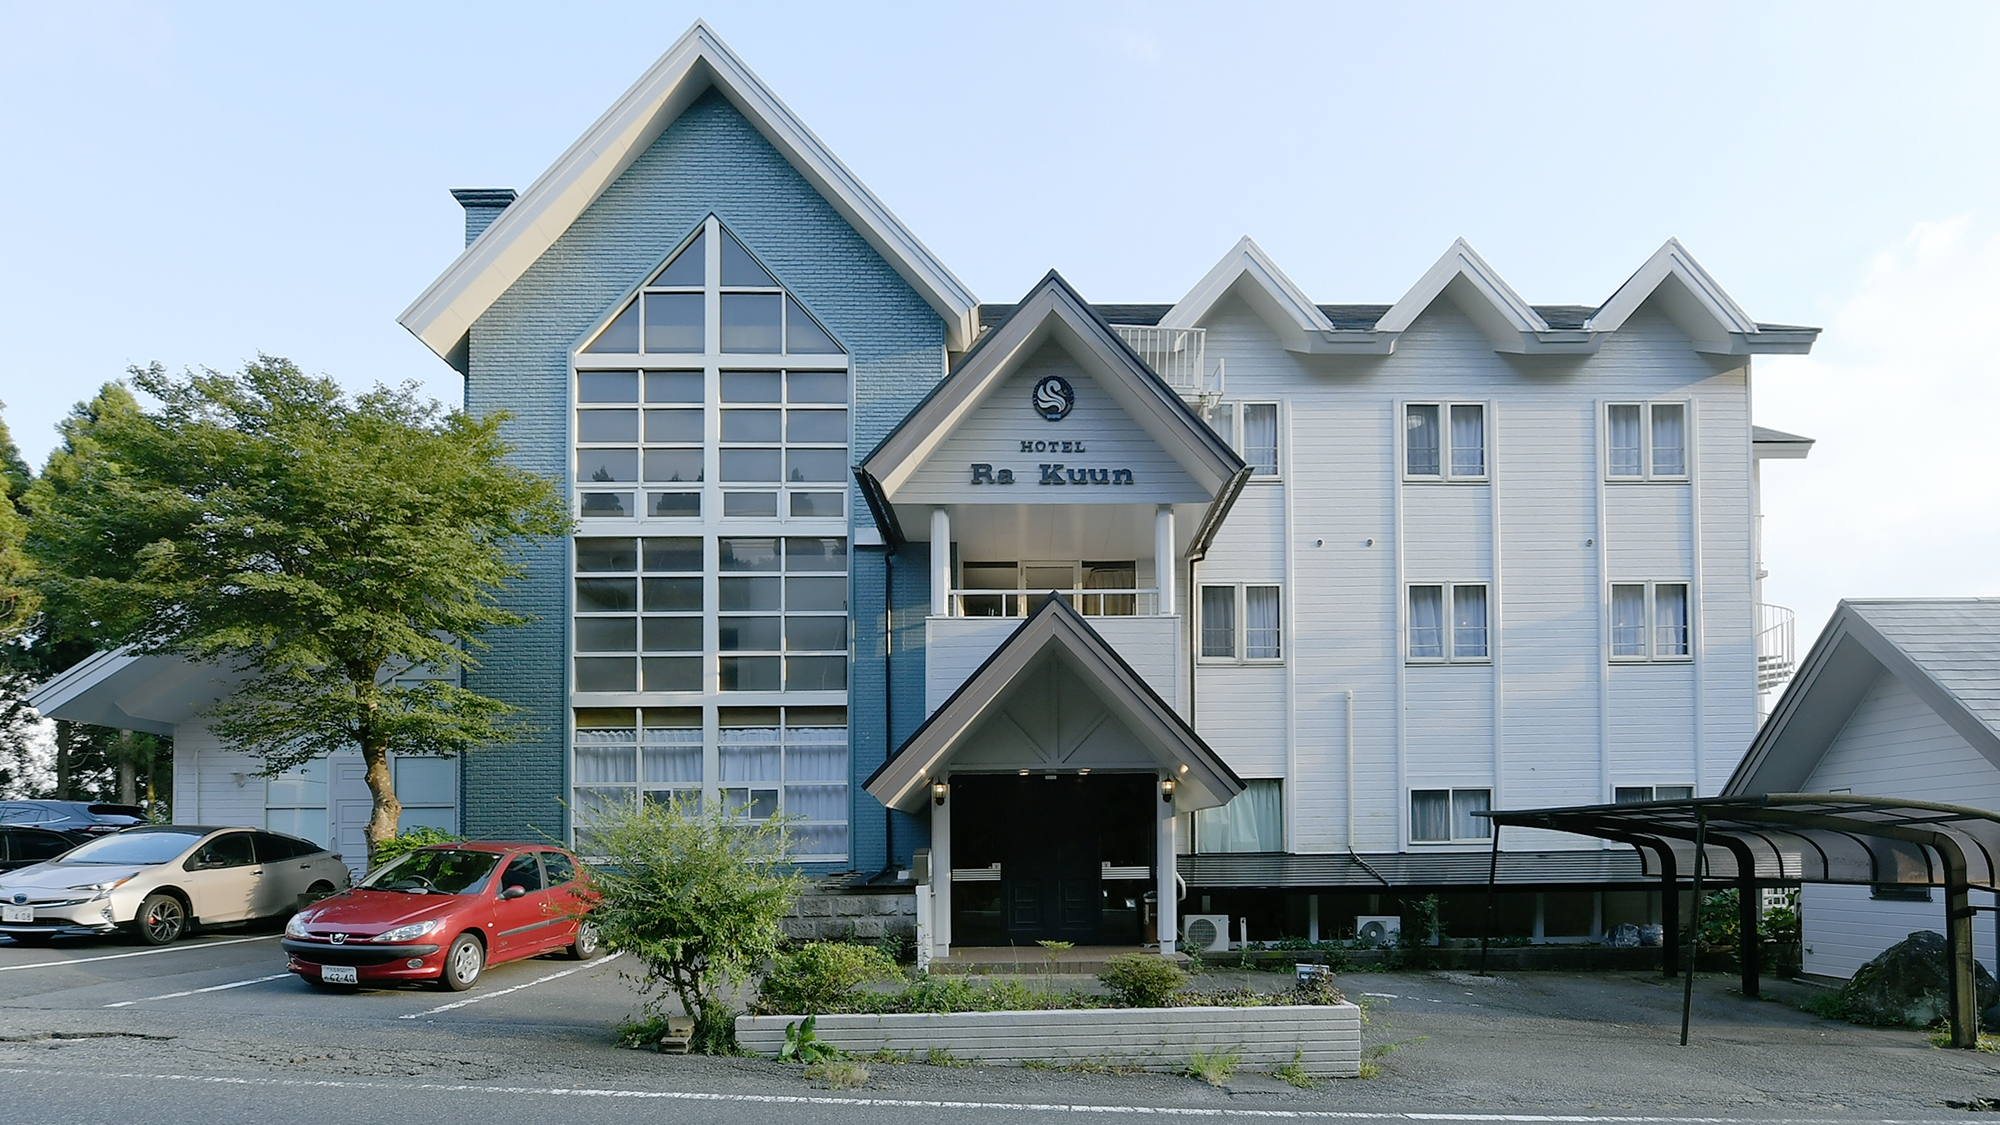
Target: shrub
<point>1142,980</point>
<point>821,976</point>
<point>1214,1067</point>
<point>409,840</point>
<point>697,899</point>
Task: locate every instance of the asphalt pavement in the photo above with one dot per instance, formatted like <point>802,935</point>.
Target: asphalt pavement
<point>213,1030</point>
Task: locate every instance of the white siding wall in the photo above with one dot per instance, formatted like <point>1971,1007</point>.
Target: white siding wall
<point>955,647</point>
<point>203,768</point>
<point>1893,745</point>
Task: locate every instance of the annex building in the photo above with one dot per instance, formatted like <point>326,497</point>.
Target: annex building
<point>1236,605</point>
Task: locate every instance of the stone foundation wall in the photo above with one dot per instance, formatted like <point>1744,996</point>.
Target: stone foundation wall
<point>846,916</point>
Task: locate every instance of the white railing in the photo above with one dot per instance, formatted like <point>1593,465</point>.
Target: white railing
<point>1021,603</point>
<point>1177,355</point>
<point>1775,629</point>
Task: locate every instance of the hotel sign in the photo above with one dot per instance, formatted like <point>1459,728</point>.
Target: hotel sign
<point>1053,398</point>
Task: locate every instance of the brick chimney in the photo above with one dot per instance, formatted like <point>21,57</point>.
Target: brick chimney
<point>482,206</point>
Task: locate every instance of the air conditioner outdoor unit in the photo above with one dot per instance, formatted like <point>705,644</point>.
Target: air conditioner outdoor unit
<point>1206,932</point>
<point>1378,929</point>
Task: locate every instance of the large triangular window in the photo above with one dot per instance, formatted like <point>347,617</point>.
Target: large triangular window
<point>752,313</point>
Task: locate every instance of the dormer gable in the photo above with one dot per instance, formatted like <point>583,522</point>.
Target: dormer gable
<point>1464,278</point>
<point>1696,303</point>
<point>1250,274</point>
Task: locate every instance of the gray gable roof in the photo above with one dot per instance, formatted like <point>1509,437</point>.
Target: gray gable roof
<point>1353,317</point>
<point>1946,649</point>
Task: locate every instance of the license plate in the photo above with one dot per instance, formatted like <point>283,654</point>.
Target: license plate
<point>339,974</point>
<point>17,913</point>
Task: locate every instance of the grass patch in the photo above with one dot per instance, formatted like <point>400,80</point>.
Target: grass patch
<point>942,1056</point>
<point>1214,1067</point>
<point>1371,1059</point>
<point>1989,1044</point>
<point>886,1055</point>
<point>838,1074</point>
<point>1294,1073</point>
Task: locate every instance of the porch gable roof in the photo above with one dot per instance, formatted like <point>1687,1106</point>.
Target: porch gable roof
<point>1055,629</point>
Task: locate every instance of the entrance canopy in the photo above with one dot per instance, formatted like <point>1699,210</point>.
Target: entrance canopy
<point>1796,837</point>
<point>1055,697</point>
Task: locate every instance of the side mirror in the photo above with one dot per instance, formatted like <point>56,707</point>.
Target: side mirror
<point>513,892</point>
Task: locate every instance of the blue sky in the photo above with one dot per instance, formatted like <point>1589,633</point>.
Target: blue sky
<point>195,183</point>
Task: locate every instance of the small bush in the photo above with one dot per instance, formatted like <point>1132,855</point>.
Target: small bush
<point>1294,1073</point>
<point>803,1045</point>
<point>820,977</point>
<point>1214,1067</point>
<point>1142,980</point>
<point>838,1074</point>
<point>409,840</point>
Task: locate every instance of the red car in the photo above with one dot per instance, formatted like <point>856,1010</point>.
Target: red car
<point>443,913</point>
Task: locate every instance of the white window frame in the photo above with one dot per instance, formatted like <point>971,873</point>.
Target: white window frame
<point>1452,814</point>
<point>1449,599</point>
<point>1239,641</point>
<point>1242,427</point>
<point>1681,793</point>
<point>1651,655</point>
<point>1445,474</point>
<point>1646,472</point>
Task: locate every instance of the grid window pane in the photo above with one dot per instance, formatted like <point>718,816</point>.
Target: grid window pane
<point>1670,619</point>
<point>803,335</point>
<point>1430,815</point>
<point>1628,620</point>
<point>1260,437</point>
<point>815,465</point>
<point>673,425</point>
<point>823,426</point>
<point>1631,794</point>
<point>672,673</point>
<point>595,554</point>
<point>600,465</point>
<point>816,386</point>
<point>1420,440</point>
<point>1468,441</point>
<point>753,322</point>
<point>1261,623</point>
<point>750,465</point>
<point>606,595</point>
<point>1673,792</point>
<point>1218,621</point>
<point>828,595</point>
<point>751,425</point>
<point>1426,622</point>
<point>680,553</point>
<point>670,595</point>
<point>751,386</point>
<point>673,634</point>
<point>605,634</point>
<point>819,839</point>
<point>739,268</point>
<point>674,386</point>
<point>810,634</point>
<point>1466,804</point>
<point>816,673</point>
<point>748,554</point>
<point>673,466</point>
<point>1622,440</point>
<point>749,593</point>
<point>598,765</point>
<point>750,505</point>
<point>810,762</point>
<point>673,505</point>
<point>606,673</point>
<point>673,322</point>
<point>673,765</point>
<point>689,266</point>
<point>816,802</point>
<point>808,554</point>
<point>607,425</point>
<point>748,761</point>
<point>607,386</point>
<point>1468,622</point>
<point>818,505</point>
<point>751,673</point>
<point>621,335</point>
<point>749,634</point>
<point>607,505</point>
<point>1669,439</point>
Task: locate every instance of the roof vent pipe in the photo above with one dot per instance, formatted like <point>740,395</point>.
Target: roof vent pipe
<point>482,206</point>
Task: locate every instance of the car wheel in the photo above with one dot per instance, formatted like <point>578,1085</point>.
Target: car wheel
<point>162,919</point>
<point>463,963</point>
<point>589,943</point>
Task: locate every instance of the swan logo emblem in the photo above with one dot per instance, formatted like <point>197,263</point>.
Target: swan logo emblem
<point>1054,398</point>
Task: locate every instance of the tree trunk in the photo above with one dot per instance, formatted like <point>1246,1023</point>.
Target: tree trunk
<point>66,740</point>
<point>128,776</point>
<point>382,785</point>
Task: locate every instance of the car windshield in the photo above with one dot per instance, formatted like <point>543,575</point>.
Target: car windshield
<point>441,871</point>
<point>134,847</point>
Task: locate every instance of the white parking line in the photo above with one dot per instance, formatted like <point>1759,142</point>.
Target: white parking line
<point>198,991</point>
<point>1084,1108</point>
<point>140,953</point>
<point>516,988</point>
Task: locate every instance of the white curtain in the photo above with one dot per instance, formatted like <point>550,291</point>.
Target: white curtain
<point>1218,621</point>
<point>1468,441</point>
<point>1420,440</point>
<point>1260,438</point>
<point>1623,441</point>
<point>1261,623</point>
<point>1430,814</point>
<point>1427,622</point>
<point>1251,822</point>
<point>1669,439</point>
<point>1465,803</point>
<point>1468,622</point>
<point>1628,620</point>
<point>1670,619</point>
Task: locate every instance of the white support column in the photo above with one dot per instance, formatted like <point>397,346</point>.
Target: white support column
<point>940,562</point>
<point>1164,556</point>
<point>1163,870</point>
<point>941,875</point>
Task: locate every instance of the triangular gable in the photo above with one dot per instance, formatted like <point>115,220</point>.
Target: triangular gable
<point>1057,631</point>
<point>1249,273</point>
<point>697,62</point>
<point>1947,650</point>
<point>1053,313</point>
<point>1698,304</point>
<point>1489,302</point>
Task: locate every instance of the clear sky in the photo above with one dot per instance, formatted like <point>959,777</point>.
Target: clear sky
<point>194,183</point>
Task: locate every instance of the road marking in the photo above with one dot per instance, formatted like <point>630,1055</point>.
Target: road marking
<point>140,953</point>
<point>198,991</point>
<point>516,988</point>
<point>1224,1112</point>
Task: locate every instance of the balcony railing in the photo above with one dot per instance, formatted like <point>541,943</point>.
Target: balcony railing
<point>1775,630</point>
<point>1021,603</point>
<point>1179,356</point>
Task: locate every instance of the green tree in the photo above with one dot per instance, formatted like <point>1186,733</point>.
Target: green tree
<point>319,543</point>
<point>697,897</point>
<point>18,596</point>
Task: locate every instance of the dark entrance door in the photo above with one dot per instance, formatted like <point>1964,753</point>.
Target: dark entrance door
<point>1052,837</point>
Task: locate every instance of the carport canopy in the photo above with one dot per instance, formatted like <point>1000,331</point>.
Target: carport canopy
<point>1806,838</point>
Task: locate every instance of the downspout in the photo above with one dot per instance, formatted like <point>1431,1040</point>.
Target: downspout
<point>888,697</point>
<point>1194,636</point>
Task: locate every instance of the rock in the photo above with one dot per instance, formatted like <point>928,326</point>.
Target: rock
<point>1908,985</point>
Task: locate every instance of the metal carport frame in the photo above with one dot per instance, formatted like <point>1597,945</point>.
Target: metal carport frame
<point>1799,838</point>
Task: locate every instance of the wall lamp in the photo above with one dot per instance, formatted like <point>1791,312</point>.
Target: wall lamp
<point>939,791</point>
<point>1167,786</point>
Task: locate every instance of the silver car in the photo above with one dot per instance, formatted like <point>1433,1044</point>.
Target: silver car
<point>159,881</point>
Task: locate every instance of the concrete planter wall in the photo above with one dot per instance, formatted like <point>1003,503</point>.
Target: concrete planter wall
<point>1326,1038</point>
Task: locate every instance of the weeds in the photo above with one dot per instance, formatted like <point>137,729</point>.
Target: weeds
<point>1081,1066</point>
<point>1214,1067</point>
<point>838,1074</point>
<point>942,1056</point>
<point>1371,1059</point>
<point>1988,1044</point>
<point>802,1045</point>
<point>1294,1072</point>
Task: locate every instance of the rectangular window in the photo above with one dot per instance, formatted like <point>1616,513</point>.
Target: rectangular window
<point>1640,794</point>
<point>1646,441</point>
<point>1252,821</point>
<point>1260,438</point>
<point>1242,623</point>
<point>1650,621</point>
<point>1449,623</point>
<point>1218,622</point>
<point>1443,816</point>
<point>1444,441</point>
<point>1262,623</point>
